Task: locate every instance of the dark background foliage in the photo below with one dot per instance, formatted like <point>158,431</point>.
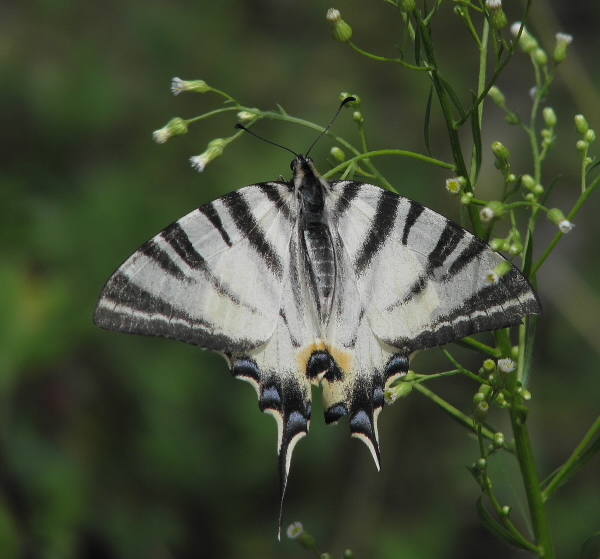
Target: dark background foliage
<point>115,446</point>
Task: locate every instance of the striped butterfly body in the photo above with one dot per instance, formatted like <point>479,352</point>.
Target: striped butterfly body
<point>333,283</point>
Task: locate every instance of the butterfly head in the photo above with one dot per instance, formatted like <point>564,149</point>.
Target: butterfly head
<point>305,175</point>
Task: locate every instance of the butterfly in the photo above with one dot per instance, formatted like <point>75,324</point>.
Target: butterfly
<point>314,282</point>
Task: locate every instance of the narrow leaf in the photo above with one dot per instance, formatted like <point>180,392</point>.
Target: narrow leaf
<point>497,529</point>
<point>476,131</point>
<point>428,120</point>
<point>453,97</point>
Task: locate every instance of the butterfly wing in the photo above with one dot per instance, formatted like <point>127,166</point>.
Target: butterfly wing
<point>423,279</point>
<point>213,278</point>
<point>408,279</point>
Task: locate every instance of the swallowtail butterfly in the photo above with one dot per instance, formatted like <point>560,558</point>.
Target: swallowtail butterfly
<point>310,281</point>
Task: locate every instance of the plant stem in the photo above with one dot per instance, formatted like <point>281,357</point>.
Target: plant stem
<point>531,481</point>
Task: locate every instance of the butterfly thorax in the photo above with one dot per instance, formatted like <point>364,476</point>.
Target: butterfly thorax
<point>315,235</point>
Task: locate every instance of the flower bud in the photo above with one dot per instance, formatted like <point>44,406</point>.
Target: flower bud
<point>213,150</point>
<point>549,117</point>
<point>175,127</point>
<point>589,136</point>
<point>515,248</point>
<point>502,154</point>
<point>466,198</point>
<point>357,117</point>
<point>496,244</point>
<point>527,42</point>
<point>199,86</point>
<point>407,5</point>
<point>557,217</point>
<point>493,210</point>
<point>528,181</point>
<point>540,57</point>
<point>400,390</point>
<point>563,40</point>
<point>581,124</point>
<point>525,394</point>
<point>582,146</point>
<point>338,154</point>
<point>246,116</point>
<point>499,270</point>
<point>478,398</point>
<point>497,15</point>
<point>480,412</point>
<point>340,30</point>
<point>497,96</point>
<point>511,177</point>
<point>498,440</point>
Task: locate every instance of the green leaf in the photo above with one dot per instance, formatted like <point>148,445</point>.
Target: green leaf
<point>427,120</point>
<point>497,529</point>
<point>476,131</point>
<point>453,97</point>
<point>594,164</point>
<point>528,256</point>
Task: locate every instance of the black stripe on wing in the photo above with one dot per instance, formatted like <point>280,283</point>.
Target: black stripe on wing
<point>414,211</point>
<point>241,213</point>
<point>213,216</point>
<point>125,307</point>
<point>496,306</point>
<point>177,238</point>
<point>449,239</point>
<point>381,227</point>
<point>161,257</point>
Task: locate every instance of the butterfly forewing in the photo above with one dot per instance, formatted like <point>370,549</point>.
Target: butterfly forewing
<point>200,281</point>
<point>422,279</point>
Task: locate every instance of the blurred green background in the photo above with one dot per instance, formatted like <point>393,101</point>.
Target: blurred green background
<point>115,446</point>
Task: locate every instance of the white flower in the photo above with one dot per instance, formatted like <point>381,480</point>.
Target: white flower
<point>333,15</point>
<point>486,214</point>
<point>453,185</point>
<point>161,136</point>
<point>492,276</point>
<point>199,86</point>
<point>514,28</point>
<point>493,4</point>
<point>295,530</point>
<point>199,162</point>
<point>506,365</point>
<point>565,226</point>
<point>564,38</point>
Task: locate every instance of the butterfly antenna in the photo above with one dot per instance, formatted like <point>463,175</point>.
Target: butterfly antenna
<point>242,127</point>
<point>346,100</point>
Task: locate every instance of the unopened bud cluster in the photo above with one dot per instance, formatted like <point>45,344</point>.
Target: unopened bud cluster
<point>511,244</point>
<point>496,14</point>
<point>535,188</point>
<point>588,135</point>
<point>340,30</point>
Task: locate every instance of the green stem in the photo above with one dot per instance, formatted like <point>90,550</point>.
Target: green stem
<point>558,235</point>
<point>459,416</point>
<point>575,461</point>
<point>531,481</point>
